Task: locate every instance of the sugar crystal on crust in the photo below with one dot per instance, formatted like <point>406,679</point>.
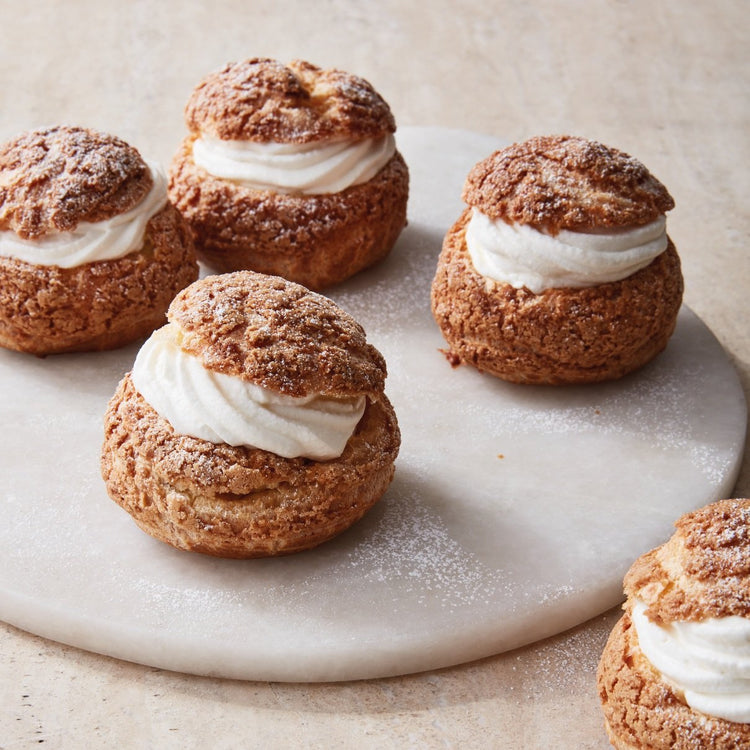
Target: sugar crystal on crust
<point>566,182</point>
<point>277,334</point>
<point>51,179</point>
<point>702,571</point>
<point>263,100</point>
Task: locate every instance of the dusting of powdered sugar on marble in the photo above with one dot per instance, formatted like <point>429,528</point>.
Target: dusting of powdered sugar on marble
<point>413,551</point>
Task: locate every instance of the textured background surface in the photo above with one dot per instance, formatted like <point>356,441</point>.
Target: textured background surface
<point>664,81</point>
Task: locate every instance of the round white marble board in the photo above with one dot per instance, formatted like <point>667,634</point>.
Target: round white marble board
<point>514,513</point>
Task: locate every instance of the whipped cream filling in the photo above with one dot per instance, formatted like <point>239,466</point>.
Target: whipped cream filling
<point>522,256</point>
<point>222,408</point>
<point>90,242</point>
<point>707,661</point>
<point>308,168</point>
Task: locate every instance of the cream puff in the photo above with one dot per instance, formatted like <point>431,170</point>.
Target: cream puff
<point>560,269</point>
<point>675,673</point>
<point>91,250</point>
<point>290,170</point>
<point>253,424</point>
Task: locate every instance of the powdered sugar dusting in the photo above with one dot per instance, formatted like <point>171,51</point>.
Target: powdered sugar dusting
<point>651,407</point>
<point>415,551</point>
<point>567,660</point>
<point>381,305</point>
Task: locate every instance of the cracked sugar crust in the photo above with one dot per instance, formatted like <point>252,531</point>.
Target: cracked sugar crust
<point>52,179</point>
<point>559,336</point>
<point>641,711</point>
<point>236,501</point>
<point>702,571</point>
<point>97,306</point>
<point>277,334</point>
<point>261,99</point>
<point>566,182</point>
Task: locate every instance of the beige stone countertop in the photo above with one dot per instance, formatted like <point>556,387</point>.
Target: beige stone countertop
<point>665,80</point>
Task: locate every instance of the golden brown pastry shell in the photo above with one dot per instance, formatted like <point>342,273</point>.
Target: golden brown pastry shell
<point>101,305</point>
<point>236,501</point>
<point>315,240</point>
<point>643,713</point>
<point>560,336</point>
<point>701,572</point>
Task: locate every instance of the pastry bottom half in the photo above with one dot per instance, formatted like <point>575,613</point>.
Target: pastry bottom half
<point>101,305</point>
<point>314,240</point>
<point>560,336</point>
<point>235,501</point>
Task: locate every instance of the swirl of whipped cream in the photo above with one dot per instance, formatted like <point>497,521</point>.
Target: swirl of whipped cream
<point>707,661</point>
<point>308,168</point>
<point>221,408</point>
<point>90,242</point>
<point>520,255</point>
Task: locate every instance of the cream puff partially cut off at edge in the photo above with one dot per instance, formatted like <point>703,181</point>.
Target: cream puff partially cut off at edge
<point>675,672</point>
<point>91,251</point>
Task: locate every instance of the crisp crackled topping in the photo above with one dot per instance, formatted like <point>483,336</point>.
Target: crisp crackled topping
<point>277,334</point>
<point>565,182</point>
<point>52,179</point>
<point>702,571</point>
<point>263,100</point>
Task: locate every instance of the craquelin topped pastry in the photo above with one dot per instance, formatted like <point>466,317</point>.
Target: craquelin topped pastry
<point>254,423</point>
<point>91,251</point>
<point>560,269</point>
<point>675,673</point>
<point>290,170</point>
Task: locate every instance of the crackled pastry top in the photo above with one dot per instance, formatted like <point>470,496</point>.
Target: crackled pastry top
<point>55,178</point>
<point>702,571</point>
<point>264,100</point>
<point>276,334</point>
<point>565,182</point>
